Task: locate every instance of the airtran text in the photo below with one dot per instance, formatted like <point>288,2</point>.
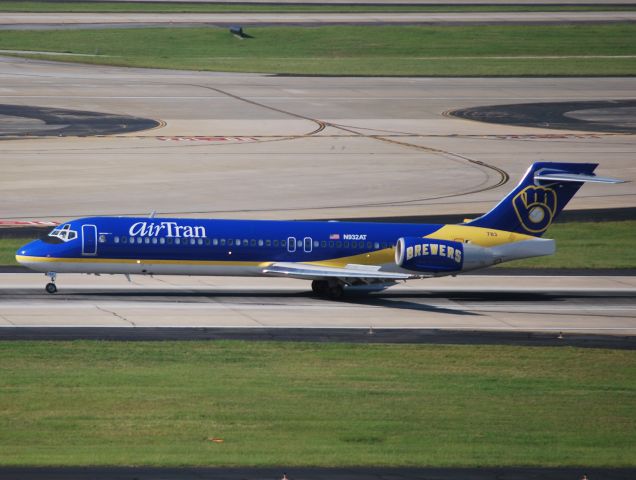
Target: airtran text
<point>167,229</point>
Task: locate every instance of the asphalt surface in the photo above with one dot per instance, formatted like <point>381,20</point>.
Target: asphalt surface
<point>352,473</point>
<point>617,116</point>
<point>22,120</point>
<point>320,335</point>
<point>383,2</point>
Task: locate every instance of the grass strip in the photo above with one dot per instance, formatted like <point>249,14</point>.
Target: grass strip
<point>142,7</point>
<point>579,245</point>
<point>272,404</point>
<point>519,50</point>
<point>587,245</point>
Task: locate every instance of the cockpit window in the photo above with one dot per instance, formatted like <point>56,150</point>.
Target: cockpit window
<point>62,233</point>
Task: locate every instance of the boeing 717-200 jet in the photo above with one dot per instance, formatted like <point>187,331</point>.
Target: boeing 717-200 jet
<point>333,255</point>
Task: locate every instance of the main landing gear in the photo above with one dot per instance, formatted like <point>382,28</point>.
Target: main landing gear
<point>51,287</point>
<point>324,288</point>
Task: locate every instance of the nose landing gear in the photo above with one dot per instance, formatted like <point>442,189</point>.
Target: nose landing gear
<point>51,287</point>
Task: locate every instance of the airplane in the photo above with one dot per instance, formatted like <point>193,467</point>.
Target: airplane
<point>332,255</point>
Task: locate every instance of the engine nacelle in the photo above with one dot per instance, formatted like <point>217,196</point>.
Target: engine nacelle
<point>428,255</point>
<point>441,257</point>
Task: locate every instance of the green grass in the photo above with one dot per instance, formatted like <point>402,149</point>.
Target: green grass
<point>579,245</point>
<point>158,403</point>
<point>353,50</point>
<point>588,245</point>
<point>8,247</point>
<point>9,6</point>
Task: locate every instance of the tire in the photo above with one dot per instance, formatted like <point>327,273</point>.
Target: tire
<point>336,292</point>
<point>50,288</point>
<point>319,287</point>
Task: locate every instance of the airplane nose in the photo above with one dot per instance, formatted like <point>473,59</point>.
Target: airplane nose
<point>26,251</point>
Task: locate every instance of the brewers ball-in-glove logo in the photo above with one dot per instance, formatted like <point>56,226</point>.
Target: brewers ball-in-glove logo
<point>535,208</point>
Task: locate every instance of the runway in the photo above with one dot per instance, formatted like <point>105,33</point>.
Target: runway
<point>592,305</point>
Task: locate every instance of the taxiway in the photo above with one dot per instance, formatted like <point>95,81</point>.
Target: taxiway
<point>243,145</point>
<point>21,20</point>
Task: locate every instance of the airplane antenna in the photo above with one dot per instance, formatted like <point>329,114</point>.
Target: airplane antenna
<point>152,214</point>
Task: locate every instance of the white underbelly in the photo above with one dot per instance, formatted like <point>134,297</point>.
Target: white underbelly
<point>145,268</point>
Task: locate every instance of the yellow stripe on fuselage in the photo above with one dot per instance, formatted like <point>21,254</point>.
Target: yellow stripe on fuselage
<point>484,237</point>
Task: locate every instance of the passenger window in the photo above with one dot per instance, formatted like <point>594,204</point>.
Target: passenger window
<point>268,243</point>
<point>276,243</point>
<point>331,244</point>
<point>162,240</point>
<point>376,245</point>
<point>354,244</point>
<point>193,241</point>
<point>338,244</point>
<point>207,241</point>
<point>102,238</point>
<point>283,243</point>
<point>215,242</point>
<point>238,241</point>
<point>260,243</point>
<point>323,244</point>
<point>200,241</point>
<point>316,243</point>
<point>223,241</point>
<point>124,239</point>
<point>132,239</point>
<point>346,244</point>
<point>368,244</point>
<point>154,240</point>
<point>139,239</point>
<point>245,242</point>
<point>116,239</point>
<point>177,241</point>
<point>230,242</point>
<point>252,243</point>
<point>170,241</point>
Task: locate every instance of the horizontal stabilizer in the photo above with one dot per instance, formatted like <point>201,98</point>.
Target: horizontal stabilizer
<point>576,177</point>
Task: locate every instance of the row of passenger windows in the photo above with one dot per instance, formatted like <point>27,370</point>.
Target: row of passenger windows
<point>241,242</point>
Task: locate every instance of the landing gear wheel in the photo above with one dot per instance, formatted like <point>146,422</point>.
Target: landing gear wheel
<point>51,288</point>
<point>335,292</point>
<point>319,287</point>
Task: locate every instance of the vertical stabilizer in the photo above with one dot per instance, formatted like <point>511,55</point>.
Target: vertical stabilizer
<point>536,201</point>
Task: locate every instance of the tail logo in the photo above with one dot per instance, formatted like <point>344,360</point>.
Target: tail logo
<point>535,208</point>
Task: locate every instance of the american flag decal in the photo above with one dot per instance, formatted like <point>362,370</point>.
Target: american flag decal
<point>334,236</point>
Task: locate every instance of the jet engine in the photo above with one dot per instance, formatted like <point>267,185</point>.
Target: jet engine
<point>440,256</point>
<point>424,255</point>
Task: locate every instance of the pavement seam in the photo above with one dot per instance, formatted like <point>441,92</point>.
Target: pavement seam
<point>116,315</point>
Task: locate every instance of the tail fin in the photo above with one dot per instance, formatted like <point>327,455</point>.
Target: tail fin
<point>535,202</point>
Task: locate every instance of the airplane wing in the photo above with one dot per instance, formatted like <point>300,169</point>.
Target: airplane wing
<point>350,273</point>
